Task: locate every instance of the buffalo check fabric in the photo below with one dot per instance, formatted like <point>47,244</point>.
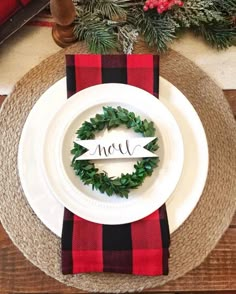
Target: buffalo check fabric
<point>141,71</point>
<point>141,247</point>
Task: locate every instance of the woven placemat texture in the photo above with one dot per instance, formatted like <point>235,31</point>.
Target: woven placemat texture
<point>190,244</point>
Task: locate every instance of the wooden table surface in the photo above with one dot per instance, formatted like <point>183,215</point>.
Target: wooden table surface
<point>216,274</point>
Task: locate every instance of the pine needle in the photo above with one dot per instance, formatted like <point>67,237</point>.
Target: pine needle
<point>157,30</point>
<point>99,37</point>
<point>218,35</point>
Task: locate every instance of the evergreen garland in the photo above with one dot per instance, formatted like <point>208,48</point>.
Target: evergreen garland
<point>108,25</point>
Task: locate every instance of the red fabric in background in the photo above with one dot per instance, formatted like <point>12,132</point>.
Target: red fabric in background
<point>25,2</point>
<point>9,7</point>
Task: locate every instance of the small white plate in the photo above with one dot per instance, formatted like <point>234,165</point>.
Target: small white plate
<point>93,205</point>
<point>182,201</point>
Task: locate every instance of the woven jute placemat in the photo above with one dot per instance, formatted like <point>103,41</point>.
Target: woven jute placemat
<point>190,244</point>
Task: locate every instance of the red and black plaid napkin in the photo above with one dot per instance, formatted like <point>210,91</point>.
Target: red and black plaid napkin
<point>141,247</point>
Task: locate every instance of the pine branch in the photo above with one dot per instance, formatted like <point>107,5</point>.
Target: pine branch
<point>195,13</point>
<point>108,8</point>
<point>218,35</point>
<point>227,7</point>
<point>156,30</point>
<point>99,37</point>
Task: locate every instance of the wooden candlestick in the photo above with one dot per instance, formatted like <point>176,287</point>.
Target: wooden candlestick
<point>63,12</point>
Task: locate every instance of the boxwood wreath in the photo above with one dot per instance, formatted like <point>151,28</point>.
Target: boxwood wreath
<point>89,174</point>
<point>108,25</point>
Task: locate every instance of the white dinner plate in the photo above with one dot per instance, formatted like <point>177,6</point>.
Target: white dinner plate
<point>183,199</point>
<point>94,206</point>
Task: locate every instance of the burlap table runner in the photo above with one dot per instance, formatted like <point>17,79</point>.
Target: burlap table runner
<point>191,243</point>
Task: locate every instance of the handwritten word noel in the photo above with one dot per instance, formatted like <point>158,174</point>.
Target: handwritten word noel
<point>120,148</point>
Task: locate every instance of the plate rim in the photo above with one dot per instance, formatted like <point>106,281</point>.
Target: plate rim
<point>55,224</point>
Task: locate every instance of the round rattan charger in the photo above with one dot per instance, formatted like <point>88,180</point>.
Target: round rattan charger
<point>190,244</point>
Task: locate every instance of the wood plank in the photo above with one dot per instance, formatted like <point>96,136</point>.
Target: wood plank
<point>231,97</point>
<point>2,98</point>
<point>233,223</point>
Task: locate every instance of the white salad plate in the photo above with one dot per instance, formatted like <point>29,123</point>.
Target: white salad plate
<point>40,196</point>
<point>94,206</point>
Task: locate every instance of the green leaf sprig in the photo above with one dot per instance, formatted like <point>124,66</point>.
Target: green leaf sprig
<point>89,174</point>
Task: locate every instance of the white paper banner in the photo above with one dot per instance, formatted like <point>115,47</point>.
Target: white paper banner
<point>115,148</point>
